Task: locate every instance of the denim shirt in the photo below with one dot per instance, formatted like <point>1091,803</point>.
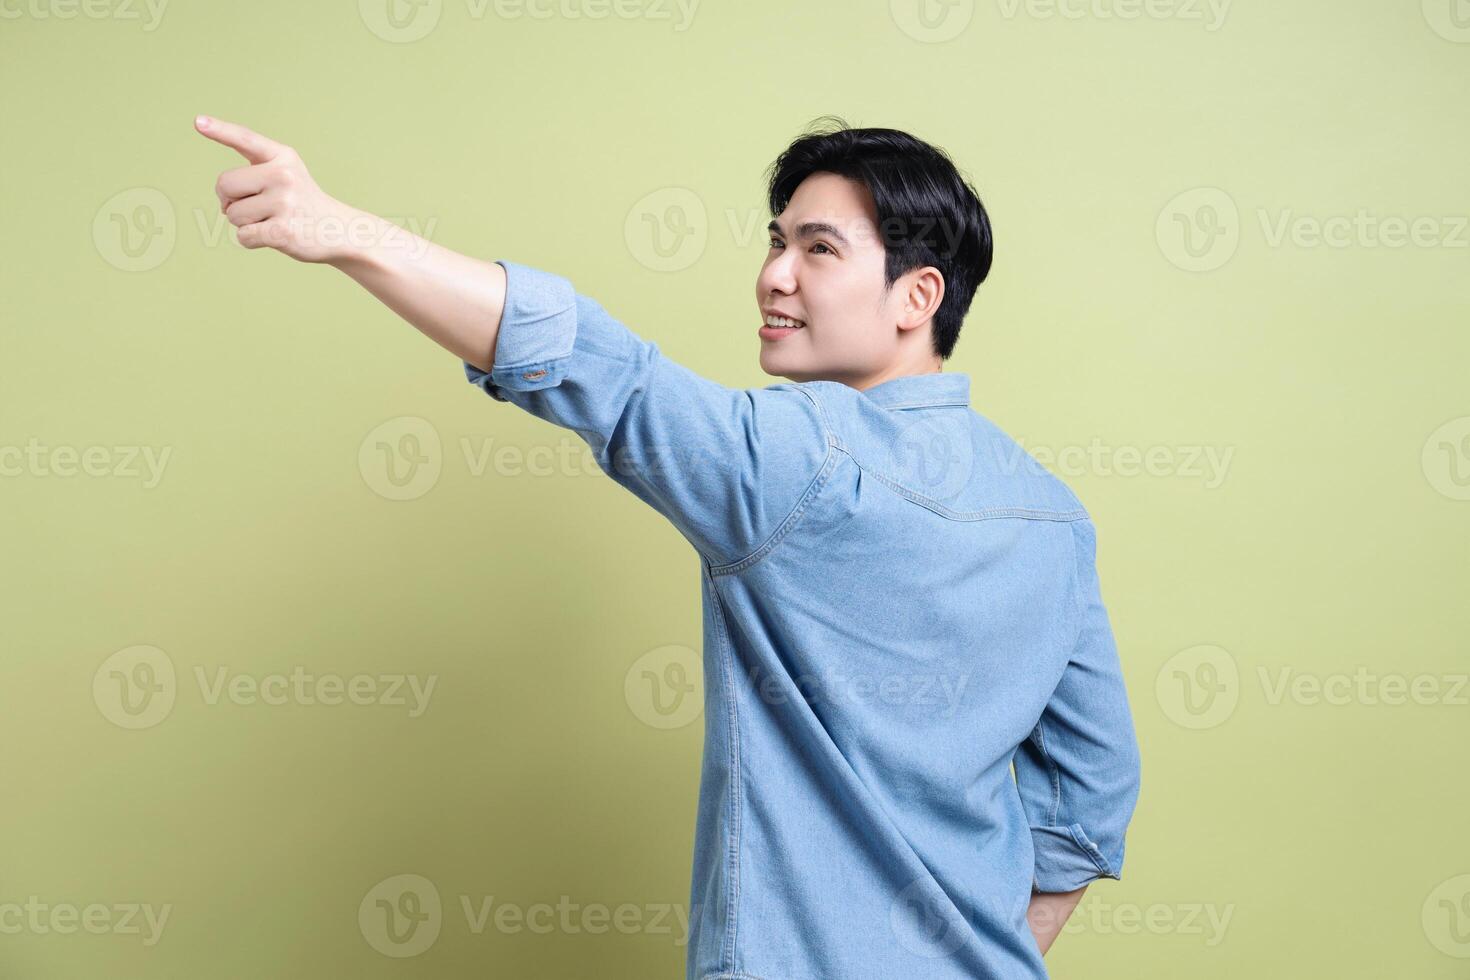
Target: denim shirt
<point>901,607</point>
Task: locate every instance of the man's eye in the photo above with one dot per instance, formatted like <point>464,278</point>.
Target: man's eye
<point>823,245</point>
<point>775,244</point>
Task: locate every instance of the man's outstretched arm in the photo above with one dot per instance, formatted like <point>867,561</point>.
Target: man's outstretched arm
<point>726,466</point>
<point>454,299</point>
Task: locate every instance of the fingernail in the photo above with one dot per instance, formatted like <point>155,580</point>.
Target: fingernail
<point>201,121</point>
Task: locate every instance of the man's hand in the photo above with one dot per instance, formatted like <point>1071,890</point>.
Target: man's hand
<point>455,300</point>
<point>275,202</point>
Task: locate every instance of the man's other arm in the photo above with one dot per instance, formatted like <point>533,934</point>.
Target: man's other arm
<point>1048,912</point>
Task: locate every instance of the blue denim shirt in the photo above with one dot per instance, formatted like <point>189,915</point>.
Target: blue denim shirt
<point>900,606</point>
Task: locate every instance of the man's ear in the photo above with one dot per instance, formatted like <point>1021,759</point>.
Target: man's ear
<point>922,296</point>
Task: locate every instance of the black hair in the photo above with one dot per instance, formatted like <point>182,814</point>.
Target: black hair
<point>928,213</point>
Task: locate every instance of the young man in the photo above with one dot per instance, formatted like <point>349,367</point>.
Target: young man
<point>899,605</point>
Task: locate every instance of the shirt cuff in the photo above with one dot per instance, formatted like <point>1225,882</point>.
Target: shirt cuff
<point>538,329</point>
<point>1066,859</point>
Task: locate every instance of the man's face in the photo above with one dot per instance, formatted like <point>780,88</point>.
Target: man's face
<point>825,266</point>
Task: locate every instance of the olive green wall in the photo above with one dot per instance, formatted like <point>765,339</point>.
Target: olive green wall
<point>245,509</point>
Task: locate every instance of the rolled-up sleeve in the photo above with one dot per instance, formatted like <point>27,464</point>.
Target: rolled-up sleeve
<point>725,465</point>
<point>1079,771</point>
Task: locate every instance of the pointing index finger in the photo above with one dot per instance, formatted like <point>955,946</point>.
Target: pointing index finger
<point>250,144</point>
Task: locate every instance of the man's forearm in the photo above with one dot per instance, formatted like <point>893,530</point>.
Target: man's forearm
<point>274,202</point>
<point>1048,912</point>
<point>455,300</point>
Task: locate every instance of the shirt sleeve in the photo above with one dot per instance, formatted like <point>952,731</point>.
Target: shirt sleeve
<point>1078,772</point>
<point>726,466</point>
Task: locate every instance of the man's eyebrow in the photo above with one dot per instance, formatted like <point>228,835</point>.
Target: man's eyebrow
<point>810,229</point>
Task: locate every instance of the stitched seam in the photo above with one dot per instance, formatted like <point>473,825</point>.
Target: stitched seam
<point>1077,587</point>
<point>1054,771</point>
<point>933,404</point>
<point>814,488</point>
<point>821,412</point>
<point>985,514</point>
<point>737,782</point>
<point>726,568</point>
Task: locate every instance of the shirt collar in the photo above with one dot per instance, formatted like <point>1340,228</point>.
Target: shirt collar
<point>922,390</point>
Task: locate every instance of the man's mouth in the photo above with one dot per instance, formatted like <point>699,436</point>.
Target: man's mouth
<point>784,323</point>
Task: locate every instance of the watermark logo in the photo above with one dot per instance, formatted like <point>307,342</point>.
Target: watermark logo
<point>667,230</point>
<point>932,21</point>
<point>40,918</point>
<point>1198,687</point>
<point>1210,13</point>
<point>1450,19</point>
<point>1199,229</point>
<point>1207,464</point>
<point>135,687</point>
<point>662,687</point>
<point>149,13</point>
<point>401,916</point>
<point>401,459</point>
<point>1205,920</point>
<point>1446,458</point>
<point>400,21</point>
<point>36,459</point>
<point>923,920</point>
<point>1446,917</point>
<point>933,453</point>
<point>895,692</point>
<point>135,229</point>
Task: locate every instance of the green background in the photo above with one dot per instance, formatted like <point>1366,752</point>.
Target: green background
<point>1321,836</point>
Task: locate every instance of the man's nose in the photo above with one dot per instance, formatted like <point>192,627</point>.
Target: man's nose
<point>778,276</point>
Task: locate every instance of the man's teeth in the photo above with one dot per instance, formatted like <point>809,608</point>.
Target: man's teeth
<point>781,321</point>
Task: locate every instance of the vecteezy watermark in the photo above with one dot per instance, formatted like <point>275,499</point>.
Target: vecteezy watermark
<point>137,229</point>
<point>36,459</point>
<point>1450,19</point>
<point>668,229</point>
<point>936,21</point>
<point>933,693</point>
<point>1445,458</point>
<point>328,231</point>
<point>925,921</point>
<point>935,454</point>
<point>147,13</point>
<point>403,915</point>
<point>1200,687</point>
<point>662,687</point>
<point>40,918</point>
<point>1199,230</point>
<point>1207,464</point>
<point>932,21</point>
<point>405,21</point>
<point>403,458</point>
<point>1207,920</point>
<point>1210,13</point>
<point>137,687</point>
<point>1446,916</point>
